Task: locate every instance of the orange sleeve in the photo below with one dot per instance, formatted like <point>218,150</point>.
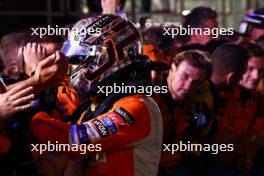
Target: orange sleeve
<point>67,99</point>
<point>45,129</point>
<point>129,121</point>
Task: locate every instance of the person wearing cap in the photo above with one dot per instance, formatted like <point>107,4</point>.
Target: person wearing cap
<point>252,26</point>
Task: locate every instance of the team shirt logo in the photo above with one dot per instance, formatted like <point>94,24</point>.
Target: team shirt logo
<point>84,138</point>
<point>101,128</point>
<point>117,120</point>
<point>125,115</point>
<point>109,124</point>
<point>92,132</point>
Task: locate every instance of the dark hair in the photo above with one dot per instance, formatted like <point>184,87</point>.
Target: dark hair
<point>213,44</point>
<point>229,58</point>
<point>198,16</point>
<point>195,58</point>
<point>254,50</point>
<point>194,46</point>
<point>154,36</point>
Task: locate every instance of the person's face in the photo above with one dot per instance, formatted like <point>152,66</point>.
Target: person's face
<point>12,63</point>
<point>253,74</point>
<point>184,79</point>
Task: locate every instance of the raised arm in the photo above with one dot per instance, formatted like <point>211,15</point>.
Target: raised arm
<point>49,72</point>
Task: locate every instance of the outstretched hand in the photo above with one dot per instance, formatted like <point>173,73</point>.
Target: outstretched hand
<point>49,72</point>
<point>15,100</point>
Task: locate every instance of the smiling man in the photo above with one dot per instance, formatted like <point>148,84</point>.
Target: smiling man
<point>255,68</point>
<point>244,114</point>
<point>242,104</point>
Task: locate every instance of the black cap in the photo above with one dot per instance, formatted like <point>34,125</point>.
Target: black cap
<point>251,20</point>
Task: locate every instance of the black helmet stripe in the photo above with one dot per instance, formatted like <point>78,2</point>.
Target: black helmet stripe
<point>120,46</point>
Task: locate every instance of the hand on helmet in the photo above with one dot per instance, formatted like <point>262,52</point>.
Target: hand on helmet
<point>51,70</point>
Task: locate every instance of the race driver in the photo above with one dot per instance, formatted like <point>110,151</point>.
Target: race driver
<point>128,126</point>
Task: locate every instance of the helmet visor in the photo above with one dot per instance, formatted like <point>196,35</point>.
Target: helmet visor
<point>77,52</point>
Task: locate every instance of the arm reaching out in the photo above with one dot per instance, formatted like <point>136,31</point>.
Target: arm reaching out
<point>49,72</point>
<point>15,100</point>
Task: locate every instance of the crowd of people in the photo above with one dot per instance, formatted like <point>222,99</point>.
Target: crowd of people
<point>50,93</point>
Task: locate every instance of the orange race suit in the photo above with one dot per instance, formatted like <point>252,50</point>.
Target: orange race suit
<point>234,111</point>
<point>238,113</point>
<point>241,119</point>
<point>130,134</point>
<point>240,116</point>
<point>67,101</point>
